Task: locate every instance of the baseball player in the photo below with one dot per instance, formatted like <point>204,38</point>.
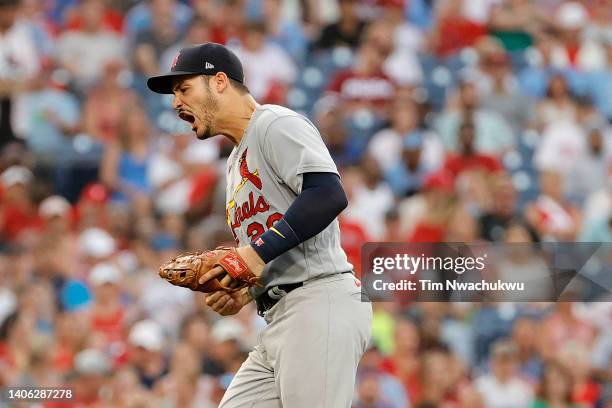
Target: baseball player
<point>283,198</point>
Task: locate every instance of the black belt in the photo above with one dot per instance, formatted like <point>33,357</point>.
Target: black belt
<point>266,301</point>
<point>271,296</point>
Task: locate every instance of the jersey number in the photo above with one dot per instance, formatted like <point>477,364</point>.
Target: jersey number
<point>255,229</point>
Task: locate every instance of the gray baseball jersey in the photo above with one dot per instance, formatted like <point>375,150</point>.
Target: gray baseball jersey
<point>264,176</point>
<point>307,356</point>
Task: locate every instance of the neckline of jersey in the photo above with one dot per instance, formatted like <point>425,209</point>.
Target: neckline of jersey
<point>254,115</point>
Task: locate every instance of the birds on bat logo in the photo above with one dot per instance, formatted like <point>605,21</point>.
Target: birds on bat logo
<point>246,174</point>
<point>234,263</point>
<point>175,60</point>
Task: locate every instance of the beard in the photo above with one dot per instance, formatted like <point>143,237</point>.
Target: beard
<point>209,109</point>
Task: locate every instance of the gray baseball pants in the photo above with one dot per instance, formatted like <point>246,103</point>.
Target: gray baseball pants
<point>307,356</point>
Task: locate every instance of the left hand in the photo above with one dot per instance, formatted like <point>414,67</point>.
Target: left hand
<point>227,304</point>
<point>248,255</point>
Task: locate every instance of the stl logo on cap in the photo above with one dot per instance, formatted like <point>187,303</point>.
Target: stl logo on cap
<point>175,60</point>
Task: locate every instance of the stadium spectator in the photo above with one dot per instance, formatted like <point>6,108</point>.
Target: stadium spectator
<point>564,326</point>
<point>403,40</point>
<point>371,199</point>
<point>369,393</point>
<point>32,15</point>
<point>552,216</point>
<point>495,219</point>
<point>423,216</point>
<point>386,145</point>
<point>453,30</point>
<point>524,335</point>
<point>407,175</point>
<point>467,157</point>
<point>92,368</point>
<point>18,213</point>
<point>498,85</point>
<point>556,388</point>
<point>516,22</point>
<point>107,314</point>
<point>177,170</point>
<point>390,389</point>
<point>403,361</point>
<point>105,104</point>
<point>19,63</point>
<point>493,135</point>
<point>503,387</point>
<point>344,150</point>
<point>227,20</point>
<point>258,55</point>
<point>364,86</point>
<point>523,262</point>
<point>283,31</point>
<point>145,352</point>
<point>197,32</point>
<point>574,356</point>
<point>50,118</point>
<point>84,51</point>
<point>575,51</point>
<point>124,166</point>
<point>558,105</point>
<point>534,79</point>
<point>184,386</point>
<point>590,171</point>
<point>150,43</point>
<point>346,31</point>
<point>598,82</point>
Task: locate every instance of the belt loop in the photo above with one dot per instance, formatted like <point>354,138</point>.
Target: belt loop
<point>276,293</point>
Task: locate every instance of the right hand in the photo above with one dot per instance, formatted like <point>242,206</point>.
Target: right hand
<point>227,304</point>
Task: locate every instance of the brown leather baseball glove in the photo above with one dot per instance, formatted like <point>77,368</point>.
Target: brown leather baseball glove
<point>186,270</point>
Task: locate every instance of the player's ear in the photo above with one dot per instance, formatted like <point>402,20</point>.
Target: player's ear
<point>221,82</point>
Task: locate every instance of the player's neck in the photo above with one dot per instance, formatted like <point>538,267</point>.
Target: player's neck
<point>237,118</point>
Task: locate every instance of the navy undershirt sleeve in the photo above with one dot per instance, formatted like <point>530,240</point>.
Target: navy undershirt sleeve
<point>322,199</point>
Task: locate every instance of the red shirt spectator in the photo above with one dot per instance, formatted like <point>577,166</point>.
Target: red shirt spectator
<point>457,164</point>
<point>365,85</point>
<point>438,189</point>
<point>107,314</point>
<point>353,237</point>
<point>111,20</point>
<point>366,88</point>
<point>468,158</point>
<point>453,31</point>
<point>457,33</point>
<point>17,211</point>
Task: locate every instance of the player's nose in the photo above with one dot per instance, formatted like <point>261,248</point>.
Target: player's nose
<point>176,102</point>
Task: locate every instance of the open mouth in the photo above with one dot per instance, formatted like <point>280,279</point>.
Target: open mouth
<point>188,117</point>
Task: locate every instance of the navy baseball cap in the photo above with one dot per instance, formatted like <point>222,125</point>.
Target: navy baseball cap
<point>206,59</point>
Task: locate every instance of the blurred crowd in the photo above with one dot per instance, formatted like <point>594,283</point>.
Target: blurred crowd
<point>449,120</point>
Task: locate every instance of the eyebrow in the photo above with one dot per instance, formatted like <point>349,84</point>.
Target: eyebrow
<point>179,83</point>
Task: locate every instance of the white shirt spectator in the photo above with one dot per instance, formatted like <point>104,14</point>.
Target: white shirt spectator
<point>167,175</point>
<point>167,305</point>
<point>18,61</point>
<point>87,53</point>
<point>591,57</point>
<point>599,204</point>
<point>589,173</point>
<point>386,148</point>
<point>403,65</point>
<point>562,143</point>
<point>514,393</point>
<point>18,57</point>
<point>264,67</point>
<point>478,11</point>
<point>369,206</point>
